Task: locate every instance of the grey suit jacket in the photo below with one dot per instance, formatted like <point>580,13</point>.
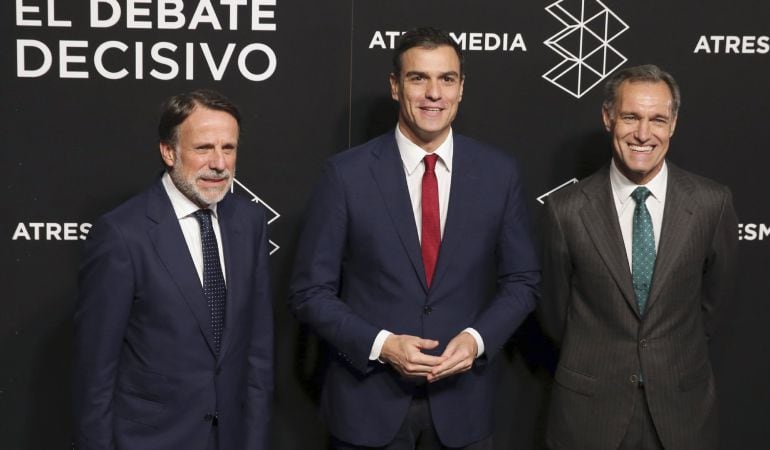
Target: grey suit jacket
<point>590,310</point>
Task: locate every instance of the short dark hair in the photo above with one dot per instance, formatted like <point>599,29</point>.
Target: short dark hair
<point>644,73</point>
<point>176,109</point>
<point>425,37</point>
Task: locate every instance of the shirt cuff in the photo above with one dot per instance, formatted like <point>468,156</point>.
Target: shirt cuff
<point>379,341</point>
<point>479,341</point>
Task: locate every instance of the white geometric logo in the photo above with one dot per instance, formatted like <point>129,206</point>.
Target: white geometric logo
<point>272,214</point>
<point>584,43</point>
<point>541,199</point>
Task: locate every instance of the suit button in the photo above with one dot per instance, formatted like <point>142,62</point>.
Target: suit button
<point>643,343</point>
<point>427,310</point>
<point>634,379</point>
<point>218,371</point>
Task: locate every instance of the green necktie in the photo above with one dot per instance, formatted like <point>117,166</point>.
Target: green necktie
<point>643,248</point>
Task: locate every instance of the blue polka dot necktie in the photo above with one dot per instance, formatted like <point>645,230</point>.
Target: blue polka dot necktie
<point>213,282</point>
<point>643,248</point>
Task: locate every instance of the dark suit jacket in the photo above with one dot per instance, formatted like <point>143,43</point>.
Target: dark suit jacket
<point>146,376</point>
<point>590,309</point>
<point>359,270</point>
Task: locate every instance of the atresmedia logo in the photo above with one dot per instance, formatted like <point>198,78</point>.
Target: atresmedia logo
<point>272,214</point>
<point>584,45</point>
<point>753,231</point>
<point>74,231</point>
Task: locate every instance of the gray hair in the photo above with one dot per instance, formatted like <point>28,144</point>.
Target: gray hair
<point>644,73</point>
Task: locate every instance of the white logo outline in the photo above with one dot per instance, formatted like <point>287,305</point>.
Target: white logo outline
<point>272,216</point>
<point>541,198</point>
<point>578,62</point>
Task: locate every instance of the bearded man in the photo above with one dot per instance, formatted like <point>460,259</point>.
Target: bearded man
<point>173,326</point>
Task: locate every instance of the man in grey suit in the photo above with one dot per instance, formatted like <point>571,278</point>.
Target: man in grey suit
<point>637,259</point>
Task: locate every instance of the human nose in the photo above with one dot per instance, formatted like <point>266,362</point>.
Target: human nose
<point>433,90</point>
<point>643,130</point>
<point>217,159</point>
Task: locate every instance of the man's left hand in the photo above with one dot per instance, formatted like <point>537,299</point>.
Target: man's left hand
<point>459,353</point>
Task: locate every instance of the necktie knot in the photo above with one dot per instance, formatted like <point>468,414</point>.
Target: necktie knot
<point>430,162</point>
<point>640,194</point>
<point>204,218</point>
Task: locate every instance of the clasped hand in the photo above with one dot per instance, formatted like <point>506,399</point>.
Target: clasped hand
<point>405,354</point>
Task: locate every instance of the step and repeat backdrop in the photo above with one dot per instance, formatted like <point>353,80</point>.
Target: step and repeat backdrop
<point>80,87</point>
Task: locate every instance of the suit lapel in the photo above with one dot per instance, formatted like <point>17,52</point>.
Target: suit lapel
<point>677,217</point>
<point>169,243</point>
<point>461,199</point>
<point>600,218</point>
<point>388,172</point>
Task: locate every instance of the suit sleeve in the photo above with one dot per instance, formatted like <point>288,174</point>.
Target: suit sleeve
<point>260,358</point>
<point>720,269</point>
<point>518,273</point>
<point>557,271</point>
<point>314,291</point>
<point>106,292</point>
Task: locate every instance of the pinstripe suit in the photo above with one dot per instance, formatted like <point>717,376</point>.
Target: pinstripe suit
<point>589,308</point>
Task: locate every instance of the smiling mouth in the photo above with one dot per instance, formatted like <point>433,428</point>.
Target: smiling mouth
<point>213,180</point>
<point>432,109</point>
<point>641,148</point>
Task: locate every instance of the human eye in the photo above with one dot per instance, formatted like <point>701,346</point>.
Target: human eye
<point>416,77</point>
<point>202,149</point>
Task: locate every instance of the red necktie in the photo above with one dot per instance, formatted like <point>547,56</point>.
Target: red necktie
<point>431,225</point>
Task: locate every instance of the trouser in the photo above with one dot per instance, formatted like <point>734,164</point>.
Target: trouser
<point>641,433</point>
<point>417,433</point>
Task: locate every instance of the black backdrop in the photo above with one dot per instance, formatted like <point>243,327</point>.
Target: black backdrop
<point>77,143</point>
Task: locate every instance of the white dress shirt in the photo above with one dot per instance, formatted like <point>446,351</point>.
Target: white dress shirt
<point>622,188</point>
<point>184,209</point>
<point>414,167</point>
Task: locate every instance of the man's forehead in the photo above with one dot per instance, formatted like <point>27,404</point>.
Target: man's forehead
<point>631,94</point>
<point>644,86</point>
<point>443,53</point>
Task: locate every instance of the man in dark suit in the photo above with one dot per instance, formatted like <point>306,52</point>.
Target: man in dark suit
<point>414,288</point>
<point>638,258</point>
<point>173,327</point>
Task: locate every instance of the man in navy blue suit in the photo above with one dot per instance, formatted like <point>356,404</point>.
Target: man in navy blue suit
<point>173,326</point>
<point>416,264</point>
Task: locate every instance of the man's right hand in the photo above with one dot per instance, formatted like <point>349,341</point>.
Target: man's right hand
<point>404,353</point>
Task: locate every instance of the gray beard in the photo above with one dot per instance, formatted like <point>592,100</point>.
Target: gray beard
<point>190,191</point>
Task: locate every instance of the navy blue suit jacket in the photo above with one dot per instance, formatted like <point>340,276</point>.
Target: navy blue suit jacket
<point>146,375</point>
<point>359,270</point>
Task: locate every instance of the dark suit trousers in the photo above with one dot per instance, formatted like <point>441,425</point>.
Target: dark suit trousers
<point>641,433</point>
<point>417,433</point>
<point>213,438</point>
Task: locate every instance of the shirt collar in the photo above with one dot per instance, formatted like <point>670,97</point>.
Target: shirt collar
<point>412,154</point>
<point>182,205</point>
<point>623,187</point>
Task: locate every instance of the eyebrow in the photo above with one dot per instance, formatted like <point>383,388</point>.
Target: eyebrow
<point>212,145</point>
<point>425,74</point>
<point>631,113</point>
